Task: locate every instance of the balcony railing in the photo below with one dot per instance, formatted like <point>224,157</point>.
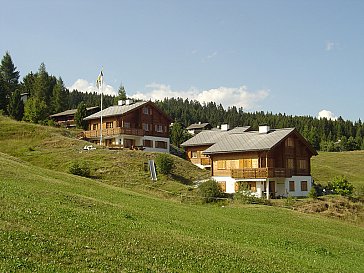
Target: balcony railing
<point>113,132</point>
<point>201,161</point>
<point>260,172</point>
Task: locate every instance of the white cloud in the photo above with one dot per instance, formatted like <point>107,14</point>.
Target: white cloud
<point>84,86</point>
<point>326,114</point>
<point>227,96</point>
<point>330,45</point>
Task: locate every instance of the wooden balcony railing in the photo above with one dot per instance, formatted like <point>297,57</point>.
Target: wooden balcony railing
<point>260,172</point>
<point>201,161</point>
<point>113,132</point>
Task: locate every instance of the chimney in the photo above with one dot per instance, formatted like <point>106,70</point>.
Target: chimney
<point>128,102</point>
<point>225,127</point>
<point>264,129</point>
<point>121,102</point>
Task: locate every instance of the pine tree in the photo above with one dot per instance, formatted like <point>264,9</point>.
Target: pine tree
<point>35,110</point>
<point>59,99</point>
<point>16,106</point>
<point>121,93</point>
<point>10,79</point>
<point>3,102</point>
<point>80,115</point>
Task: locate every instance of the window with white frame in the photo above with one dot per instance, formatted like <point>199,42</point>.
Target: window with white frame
<point>145,126</point>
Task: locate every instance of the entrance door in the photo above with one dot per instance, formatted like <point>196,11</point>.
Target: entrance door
<point>272,189</point>
<point>128,143</point>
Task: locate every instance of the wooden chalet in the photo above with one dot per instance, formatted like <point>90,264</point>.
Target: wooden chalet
<point>267,162</point>
<point>196,128</point>
<point>139,125</point>
<point>67,118</point>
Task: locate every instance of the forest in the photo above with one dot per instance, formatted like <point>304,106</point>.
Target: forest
<point>47,95</point>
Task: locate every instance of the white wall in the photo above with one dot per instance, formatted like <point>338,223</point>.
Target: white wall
<point>297,180</point>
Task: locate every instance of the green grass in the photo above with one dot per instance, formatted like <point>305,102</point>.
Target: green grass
<point>55,149</point>
<point>51,221</point>
<point>327,165</point>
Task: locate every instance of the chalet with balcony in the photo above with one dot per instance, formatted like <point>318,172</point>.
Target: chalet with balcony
<point>130,124</point>
<point>195,146</point>
<point>67,118</point>
<point>267,162</point>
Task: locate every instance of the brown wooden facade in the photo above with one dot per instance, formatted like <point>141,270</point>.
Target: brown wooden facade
<point>195,155</point>
<point>146,120</point>
<point>291,157</point>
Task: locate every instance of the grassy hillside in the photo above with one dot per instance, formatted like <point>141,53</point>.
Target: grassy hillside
<point>51,221</point>
<point>57,149</point>
<point>350,164</point>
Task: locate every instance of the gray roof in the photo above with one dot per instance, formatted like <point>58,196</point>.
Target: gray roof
<point>116,110</point>
<point>209,137</point>
<point>71,112</point>
<point>249,141</point>
<point>198,126</point>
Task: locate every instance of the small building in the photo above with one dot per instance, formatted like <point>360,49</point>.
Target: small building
<point>67,118</point>
<point>196,128</point>
<point>139,125</point>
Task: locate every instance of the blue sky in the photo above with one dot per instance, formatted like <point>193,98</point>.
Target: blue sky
<point>293,57</point>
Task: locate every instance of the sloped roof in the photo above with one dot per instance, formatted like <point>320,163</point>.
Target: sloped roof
<point>209,137</point>
<point>249,141</point>
<point>116,110</point>
<point>71,112</point>
<point>198,126</point>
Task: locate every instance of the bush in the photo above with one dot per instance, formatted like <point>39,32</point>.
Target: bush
<point>80,169</point>
<point>164,163</point>
<point>341,185</point>
<point>210,191</point>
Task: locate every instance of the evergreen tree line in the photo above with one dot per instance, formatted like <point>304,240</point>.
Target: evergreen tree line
<point>324,134</point>
<point>46,94</point>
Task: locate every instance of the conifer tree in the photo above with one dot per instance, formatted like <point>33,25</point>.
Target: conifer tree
<point>10,77</point>
<point>59,98</point>
<point>80,115</point>
<point>16,105</point>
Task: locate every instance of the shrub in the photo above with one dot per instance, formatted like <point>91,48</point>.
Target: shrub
<point>341,185</point>
<point>164,163</point>
<point>210,191</point>
<point>80,169</point>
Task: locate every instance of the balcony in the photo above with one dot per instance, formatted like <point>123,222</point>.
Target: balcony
<point>113,132</point>
<point>260,173</point>
<point>201,161</point>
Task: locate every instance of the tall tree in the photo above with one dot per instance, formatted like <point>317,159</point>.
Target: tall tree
<point>80,115</point>
<point>121,94</point>
<point>35,110</point>
<point>59,99</point>
<point>16,105</point>
<point>3,101</point>
<point>10,78</point>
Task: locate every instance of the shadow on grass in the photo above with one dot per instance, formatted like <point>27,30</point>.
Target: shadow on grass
<point>182,179</point>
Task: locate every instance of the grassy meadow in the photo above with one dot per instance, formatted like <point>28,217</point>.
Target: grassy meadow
<point>327,165</point>
<point>52,221</point>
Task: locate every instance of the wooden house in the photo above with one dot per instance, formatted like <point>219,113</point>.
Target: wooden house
<point>267,162</point>
<point>67,118</point>
<point>130,124</point>
<point>196,128</point>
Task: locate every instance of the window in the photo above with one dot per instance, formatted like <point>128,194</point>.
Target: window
<point>222,186</point>
<point>145,110</point>
<point>303,185</point>
<point>161,144</point>
<point>302,164</point>
<point>145,126</point>
<point>290,163</point>
<point>194,154</point>
<point>109,125</point>
<point>159,128</point>
<point>148,143</point>
<point>221,164</point>
<point>290,142</point>
<point>94,126</point>
<point>291,186</point>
